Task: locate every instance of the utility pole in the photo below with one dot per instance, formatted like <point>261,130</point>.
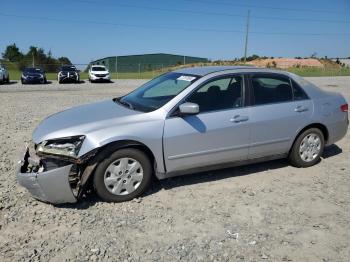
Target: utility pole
<point>139,71</point>
<point>246,38</point>
<point>116,66</point>
<point>33,59</point>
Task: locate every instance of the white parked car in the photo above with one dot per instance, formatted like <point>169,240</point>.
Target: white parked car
<point>4,75</point>
<point>98,73</point>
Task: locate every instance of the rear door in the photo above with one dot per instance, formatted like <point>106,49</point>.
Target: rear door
<point>218,134</point>
<point>279,109</point>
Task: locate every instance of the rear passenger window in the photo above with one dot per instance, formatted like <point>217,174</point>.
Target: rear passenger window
<point>299,93</point>
<point>220,94</point>
<point>271,89</point>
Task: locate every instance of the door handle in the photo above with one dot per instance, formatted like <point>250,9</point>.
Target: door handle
<point>238,118</point>
<point>300,109</point>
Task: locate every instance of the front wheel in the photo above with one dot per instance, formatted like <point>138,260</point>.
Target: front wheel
<point>122,175</point>
<point>307,148</point>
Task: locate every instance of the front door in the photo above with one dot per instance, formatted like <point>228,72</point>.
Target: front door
<point>219,134</point>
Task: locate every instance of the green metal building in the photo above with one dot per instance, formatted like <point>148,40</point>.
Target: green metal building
<point>146,62</point>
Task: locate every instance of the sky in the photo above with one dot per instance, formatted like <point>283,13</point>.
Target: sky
<point>85,30</point>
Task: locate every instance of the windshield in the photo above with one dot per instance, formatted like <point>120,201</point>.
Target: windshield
<point>157,92</point>
<point>33,70</point>
<point>68,68</point>
<point>98,68</point>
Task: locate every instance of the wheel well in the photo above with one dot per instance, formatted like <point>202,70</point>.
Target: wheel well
<point>128,144</point>
<point>322,127</point>
<point>109,148</point>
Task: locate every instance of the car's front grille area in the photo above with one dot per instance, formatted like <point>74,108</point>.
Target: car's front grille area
<point>33,77</point>
<point>100,75</point>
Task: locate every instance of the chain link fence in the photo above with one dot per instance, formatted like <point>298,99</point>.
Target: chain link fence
<point>148,71</point>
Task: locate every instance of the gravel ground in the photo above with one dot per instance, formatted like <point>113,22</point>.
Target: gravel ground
<point>262,212</point>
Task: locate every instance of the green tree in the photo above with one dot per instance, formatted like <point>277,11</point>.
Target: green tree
<point>12,53</point>
<point>64,60</point>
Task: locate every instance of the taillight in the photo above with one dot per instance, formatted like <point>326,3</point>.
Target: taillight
<point>344,108</point>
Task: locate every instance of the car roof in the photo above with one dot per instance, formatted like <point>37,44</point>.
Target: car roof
<point>205,70</point>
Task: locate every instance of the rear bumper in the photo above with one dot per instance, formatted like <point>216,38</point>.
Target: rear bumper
<point>49,186</point>
<point>337,130</point>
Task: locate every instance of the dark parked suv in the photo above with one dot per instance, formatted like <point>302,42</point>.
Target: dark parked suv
<point>31,75</point>
<point>68,73</point>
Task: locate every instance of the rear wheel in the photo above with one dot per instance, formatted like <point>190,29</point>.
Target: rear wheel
<point>307,148</point>
<point>122,175</point>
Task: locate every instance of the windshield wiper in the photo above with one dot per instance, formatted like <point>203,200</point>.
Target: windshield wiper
<point>124,103</point>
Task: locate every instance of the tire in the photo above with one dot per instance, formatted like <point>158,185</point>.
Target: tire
<point>8,80</point>
<point>304,154</point>
<point>120,179</point>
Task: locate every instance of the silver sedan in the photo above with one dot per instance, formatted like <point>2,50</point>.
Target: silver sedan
<point>181,122</point>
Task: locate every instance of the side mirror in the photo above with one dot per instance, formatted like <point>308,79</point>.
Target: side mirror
<point>189,109</point>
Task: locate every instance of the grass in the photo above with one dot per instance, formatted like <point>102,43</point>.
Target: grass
<point>309,71</point>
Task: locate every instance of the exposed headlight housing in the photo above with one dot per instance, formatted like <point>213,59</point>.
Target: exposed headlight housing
<point>67,146</point>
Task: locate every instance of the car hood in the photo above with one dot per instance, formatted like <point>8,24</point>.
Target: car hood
<point>68,71</point>
<point>33,74</point>
<point>82,120</point>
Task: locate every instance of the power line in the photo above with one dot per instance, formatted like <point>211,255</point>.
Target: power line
<point>193,29</point>
<point>165,9</point>
<point>120,24</point>
<point>267,7</point>
<point>218,13</point>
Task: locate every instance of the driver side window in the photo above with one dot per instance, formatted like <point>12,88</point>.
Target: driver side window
<point>219,94</point>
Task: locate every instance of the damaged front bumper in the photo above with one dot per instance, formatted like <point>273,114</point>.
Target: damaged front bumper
<point>48,184</point>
